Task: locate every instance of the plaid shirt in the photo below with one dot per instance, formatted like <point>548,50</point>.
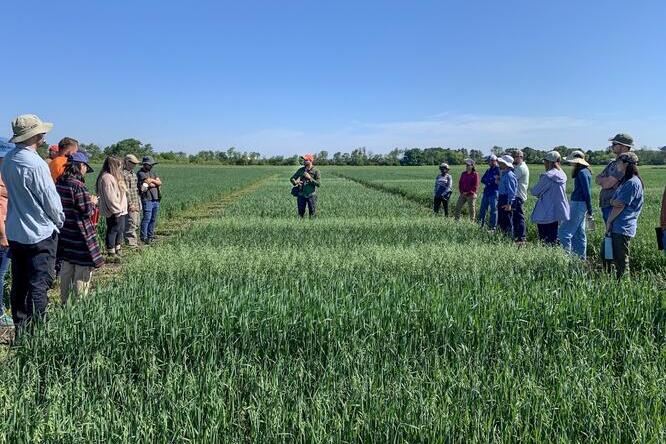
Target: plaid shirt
<point>132,190</point>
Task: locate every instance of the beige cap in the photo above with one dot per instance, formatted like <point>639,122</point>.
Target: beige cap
<point>27,126</point>
<point>131,158</point>
<point>552,156</point>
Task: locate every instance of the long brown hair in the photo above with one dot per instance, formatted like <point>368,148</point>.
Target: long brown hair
<point>113,166</point>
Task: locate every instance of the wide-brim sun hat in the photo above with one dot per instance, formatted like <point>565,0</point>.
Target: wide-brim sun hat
<point>623,139</point>
<point>148,160</point>
<point>26,126</point>
<point>577,157</point>
<point>506,160</point>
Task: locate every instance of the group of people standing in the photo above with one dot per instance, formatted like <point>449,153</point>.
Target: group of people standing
<point>559,220</point>
<point>49,217</point>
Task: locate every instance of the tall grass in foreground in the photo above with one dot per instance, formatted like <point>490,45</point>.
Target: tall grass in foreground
<point>353,327</point>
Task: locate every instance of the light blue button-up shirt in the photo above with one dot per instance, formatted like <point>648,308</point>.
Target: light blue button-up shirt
<point>34,209</point>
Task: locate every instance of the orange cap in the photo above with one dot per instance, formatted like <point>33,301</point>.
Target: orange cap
<point>308,156</point>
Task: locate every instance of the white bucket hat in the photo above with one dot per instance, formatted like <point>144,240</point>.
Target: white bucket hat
<point>27,126</point>
<point>577,157</point>
<point>506,160</point>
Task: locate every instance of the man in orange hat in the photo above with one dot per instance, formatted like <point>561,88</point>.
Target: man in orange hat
<point>305,182</point>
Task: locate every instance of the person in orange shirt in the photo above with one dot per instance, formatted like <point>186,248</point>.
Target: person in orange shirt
<point>66,147</point>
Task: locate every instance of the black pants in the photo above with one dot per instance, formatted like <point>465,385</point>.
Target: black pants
<point>504,217</point>
<point>33,272</point>
<point>438,202</point>
<point>310,202</point>
<point>620,254</point>
<point>548,233</point>
<point>518,220</point>
<point>115,227</point>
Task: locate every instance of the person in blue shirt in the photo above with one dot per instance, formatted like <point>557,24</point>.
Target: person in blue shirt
<point>490,180</point>
<point>443,190</point>
<point>572,232</point>
<point>627,203</point>
<point>507,190</point>
<point>34,217</point>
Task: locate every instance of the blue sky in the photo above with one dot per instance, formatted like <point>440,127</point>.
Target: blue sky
<point>286,77</point>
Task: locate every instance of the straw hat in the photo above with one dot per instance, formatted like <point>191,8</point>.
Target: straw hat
<point>27,126</point>
<point>131,158</point>
<point>577,157</point>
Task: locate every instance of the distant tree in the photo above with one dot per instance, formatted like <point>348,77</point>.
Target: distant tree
<point>129,146</point>
<point>93,150</point>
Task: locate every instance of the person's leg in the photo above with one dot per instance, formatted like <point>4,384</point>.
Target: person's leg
<point>147,206</point>
<point>471,203</point>
<point>436,204</point>
<point>492,203</point>
<point>131,223</point>
<point>153,220</point>
<point>312,206</point>
<point>41,263</point>
<point>552,233</point>
<point>4,267</point>
<point>620,254</point>
<point>111,234</point>
<point>565,232</point>
<point>66,280</point>
<point>459,205</point>
<point>120,229</point>
<point>19,290</point>
<point>578,235</point>
<point>300,206</point>
<point>518,220</point>
<point>481,218</point>
<point>445,205</point>
<point>82,277</point>
<point>502,214</point>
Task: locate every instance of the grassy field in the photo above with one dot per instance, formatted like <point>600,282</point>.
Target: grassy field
<point>376,322</point>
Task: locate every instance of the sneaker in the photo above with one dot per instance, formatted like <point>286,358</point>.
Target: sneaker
<point>6,320</point>
<point>491,231</point>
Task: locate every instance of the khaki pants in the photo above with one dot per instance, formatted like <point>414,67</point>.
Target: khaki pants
<point>74,279</point>
<point>131,225</point>
<point>471,206</point>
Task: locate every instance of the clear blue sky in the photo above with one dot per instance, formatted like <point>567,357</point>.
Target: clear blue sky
<point>294,76</point>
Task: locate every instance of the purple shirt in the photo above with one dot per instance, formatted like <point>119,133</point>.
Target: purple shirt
<point>552,205</point>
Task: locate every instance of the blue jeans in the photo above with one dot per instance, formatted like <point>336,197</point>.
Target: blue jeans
<point>572,232</point>
<point>151,209</point>
<point>488,203</point>
<point>5,259</point>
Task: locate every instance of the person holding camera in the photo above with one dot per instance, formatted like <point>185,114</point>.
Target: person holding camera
<point>306,180</point>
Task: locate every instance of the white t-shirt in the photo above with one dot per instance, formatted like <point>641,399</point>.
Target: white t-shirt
<point>523,176</point>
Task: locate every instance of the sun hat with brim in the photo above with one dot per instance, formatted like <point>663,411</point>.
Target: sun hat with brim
<point>5,147</point>
<point>623,139</point>
<point>577,157</point>
<point>506,160</point>
<point>552,156</point>
<point>469,162</point>
<point>631,158</point>
<point>80,157</point>
<point>444,166</point>
<point>27,126</point>
<point>148,160</point>
<point>131,158</point>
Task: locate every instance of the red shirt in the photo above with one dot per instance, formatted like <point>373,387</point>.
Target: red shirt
<point>469,182</point>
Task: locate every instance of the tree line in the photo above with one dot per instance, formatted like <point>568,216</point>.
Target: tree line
<point>357,157</point>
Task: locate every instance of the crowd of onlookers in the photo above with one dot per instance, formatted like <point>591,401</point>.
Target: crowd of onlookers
<point>559,220</point>
<point>49,217</point>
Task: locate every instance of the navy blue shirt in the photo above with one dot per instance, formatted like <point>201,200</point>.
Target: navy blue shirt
<point>489,179</point>
<point>582,188</point>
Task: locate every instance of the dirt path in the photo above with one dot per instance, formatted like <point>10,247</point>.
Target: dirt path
<point>170,227</point>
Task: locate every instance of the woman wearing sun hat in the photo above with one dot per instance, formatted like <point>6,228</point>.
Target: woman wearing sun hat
<point>552,207</point>
<point>627,203</point>
<point>572,232</point>
<point>78,247</point>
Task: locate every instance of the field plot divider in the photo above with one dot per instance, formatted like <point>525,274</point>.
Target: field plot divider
<point>381,188</point>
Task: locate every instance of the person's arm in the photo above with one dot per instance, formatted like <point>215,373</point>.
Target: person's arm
<point>607,182</point>
<point>585,186</point>
<point>44,191</point>
<point>295,178</point>
<point>540,187</point>
<point>475,184</point>
<point>316,178</point>
<point>460,184</point>
<point>622,198</point>
<point>83,203</point>
<point>511,189</point>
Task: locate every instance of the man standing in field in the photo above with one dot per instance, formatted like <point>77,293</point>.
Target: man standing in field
<point>34,217</point>
<point>522,173</point>
<point>66,147</point>
<point>490,180</point>
<point>149,186</point>
<point>307,179</point>
<point>609,179</point>
<point>133,200</point>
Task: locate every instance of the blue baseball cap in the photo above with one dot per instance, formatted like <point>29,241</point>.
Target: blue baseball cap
<point>5,147</point>
<point>80,157</point>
